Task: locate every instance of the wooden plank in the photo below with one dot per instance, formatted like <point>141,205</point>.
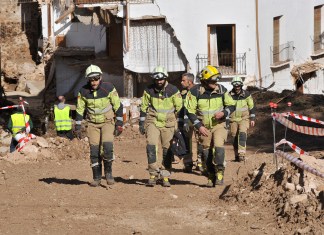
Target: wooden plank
<point>73,51</point>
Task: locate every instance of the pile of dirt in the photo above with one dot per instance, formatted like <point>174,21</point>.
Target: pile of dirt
<point>295,197</point>
<point>261,135</point>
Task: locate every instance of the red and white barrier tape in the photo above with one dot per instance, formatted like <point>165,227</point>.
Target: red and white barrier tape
<point>10,107</point>
<point>301,117</point>
<point>22,142</point>
<point>293,146</point>
<point>301,129</point>
<point>22,102</point>
<point>299,163</point>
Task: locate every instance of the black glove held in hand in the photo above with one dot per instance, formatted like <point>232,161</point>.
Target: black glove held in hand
<point>141,128</point>
<point>77,130</point>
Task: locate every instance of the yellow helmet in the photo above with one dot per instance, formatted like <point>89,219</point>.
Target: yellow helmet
<point>210,73</point>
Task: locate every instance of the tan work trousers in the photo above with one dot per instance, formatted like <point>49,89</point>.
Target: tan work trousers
<point>216,138</point>
<point>239,132</point>
<point>100,133</point>
<point>154,135</point>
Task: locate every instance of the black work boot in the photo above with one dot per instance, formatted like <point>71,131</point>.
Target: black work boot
<point>152,181</point>
<point>167,158</point>
<point>219,175</point>
<point>211,180</point>
<point>96,176</point>
<point>241,157</point>
<point>166,182</point>
<point>108,173</point>
<point>188,168</point>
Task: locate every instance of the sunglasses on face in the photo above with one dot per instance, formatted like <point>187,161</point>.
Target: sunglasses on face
<point>237,84</point>
<point>158,76</point>
<point>92,79</point>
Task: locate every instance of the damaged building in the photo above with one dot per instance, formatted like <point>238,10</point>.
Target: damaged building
<point>103,33</point>
<point>260,41</point>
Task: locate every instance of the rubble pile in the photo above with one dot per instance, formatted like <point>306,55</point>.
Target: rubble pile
<point>296,196</point>
<point>41,149</point>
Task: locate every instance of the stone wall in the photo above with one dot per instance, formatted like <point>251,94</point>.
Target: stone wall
<point>20,29</point>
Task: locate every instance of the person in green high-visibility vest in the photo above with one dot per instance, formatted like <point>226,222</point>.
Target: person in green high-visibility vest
<point>16,124</point>
<point>62,119</point>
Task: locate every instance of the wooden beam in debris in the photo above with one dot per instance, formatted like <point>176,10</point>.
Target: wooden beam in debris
<point>75,51</point>
<point>66,13</point>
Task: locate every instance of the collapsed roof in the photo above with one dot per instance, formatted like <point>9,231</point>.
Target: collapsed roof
<point>305,68</point>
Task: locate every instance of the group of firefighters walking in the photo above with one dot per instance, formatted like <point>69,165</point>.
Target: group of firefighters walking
<point>206,111</point>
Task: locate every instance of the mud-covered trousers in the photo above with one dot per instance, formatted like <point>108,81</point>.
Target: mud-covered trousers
<point>101,136</point>
<point>239,134</point>
<point>216,140</point>
<point>154,135</point>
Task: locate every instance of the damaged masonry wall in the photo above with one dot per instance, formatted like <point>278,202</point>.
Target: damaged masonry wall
<point>19,43</point>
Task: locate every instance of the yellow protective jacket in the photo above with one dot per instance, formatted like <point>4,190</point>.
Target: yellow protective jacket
<point>202,104</point>
<point>161,106</point>
<point>101,104</point>
<point>17,122</point>
<point>62,119</point>
<point>244,106</point>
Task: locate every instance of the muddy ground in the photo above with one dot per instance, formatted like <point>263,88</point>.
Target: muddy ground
<point>47,192</point>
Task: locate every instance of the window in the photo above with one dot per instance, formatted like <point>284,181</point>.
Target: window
<point>281,53</point>
<point>318,32</point>
<point>276,38</point>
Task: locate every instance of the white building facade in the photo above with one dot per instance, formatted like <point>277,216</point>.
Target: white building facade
<point>259,40</point>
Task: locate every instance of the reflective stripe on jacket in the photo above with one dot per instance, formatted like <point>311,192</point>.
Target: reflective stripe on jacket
<point>244,106</point>
<point>62,119</point>
<point>18,122</point>
<point>160,106</point>
<point>203,104</point>
<point>100,104</point>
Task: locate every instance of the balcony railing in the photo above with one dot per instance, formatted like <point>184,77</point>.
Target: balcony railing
<point>111,1</point>
<point>96,1</point>
<point>282,53</point>
<point>227,63</point>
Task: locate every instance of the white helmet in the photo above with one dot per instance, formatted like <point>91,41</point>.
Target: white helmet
<point>93,71</point>
<point>159,73</point>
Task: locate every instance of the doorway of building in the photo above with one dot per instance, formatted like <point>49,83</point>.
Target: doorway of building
<point>221,46</point>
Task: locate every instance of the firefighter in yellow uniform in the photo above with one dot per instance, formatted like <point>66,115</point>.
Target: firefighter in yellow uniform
<point>242,118</point>
<point>208,105</point>
<point>101,101</point>
<point>62,119</point>
<point>161,102</point>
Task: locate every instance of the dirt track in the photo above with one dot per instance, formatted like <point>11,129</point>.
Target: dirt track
<point>52,196</point>
<point>48,192</point>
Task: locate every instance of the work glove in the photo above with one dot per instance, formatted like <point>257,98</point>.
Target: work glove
<point>141,127</point>
<point>186,125</point>
<point>227,123</point>
<point>77,131</point>
<point>118,128</point>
